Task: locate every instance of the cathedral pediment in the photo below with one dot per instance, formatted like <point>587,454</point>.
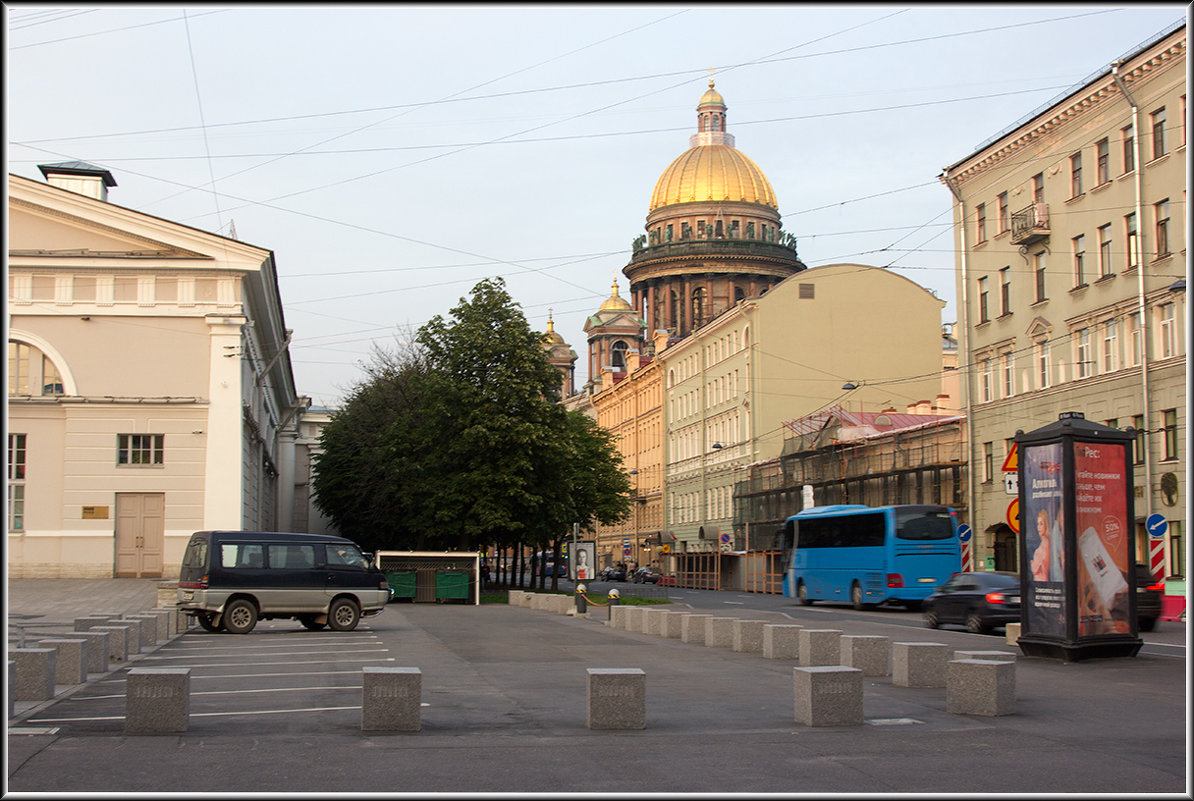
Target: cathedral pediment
<point>37,230</point>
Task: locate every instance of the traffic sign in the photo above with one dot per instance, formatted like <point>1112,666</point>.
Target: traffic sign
<point>1013,515</point>
<point>1011,483</point>
<point>964,533</point>
<point>725,539</point>
<point>665,548</point>
<point>1012,463</point>
<point>625,552</point>
<point>1157,525</point>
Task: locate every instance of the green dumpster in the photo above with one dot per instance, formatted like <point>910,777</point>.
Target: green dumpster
<point>402,582</point>
<point>451,584</point>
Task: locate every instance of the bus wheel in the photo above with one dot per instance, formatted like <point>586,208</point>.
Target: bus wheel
<point>856,596</point>
<point>802,594</point>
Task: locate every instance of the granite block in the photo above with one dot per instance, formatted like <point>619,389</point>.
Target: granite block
<point>391,699</point>
<point>616,698</point>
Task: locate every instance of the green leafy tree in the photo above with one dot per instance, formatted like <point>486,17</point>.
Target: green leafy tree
<point>459,441</point>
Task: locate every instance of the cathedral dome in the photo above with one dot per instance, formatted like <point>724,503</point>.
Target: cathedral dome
<point>615,302</point>
<point>712,173</point>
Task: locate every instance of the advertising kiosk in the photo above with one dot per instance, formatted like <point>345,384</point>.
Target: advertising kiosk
<point>1077,548</point>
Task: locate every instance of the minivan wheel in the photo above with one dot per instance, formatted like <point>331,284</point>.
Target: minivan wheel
<point>207,621</point>
<point>975,625</point>
<point>344,615</point>
<point>240,616</point>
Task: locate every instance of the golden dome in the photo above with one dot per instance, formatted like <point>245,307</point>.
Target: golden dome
<point>712,172</point>
<point>551,335</point>
<point>711,97</point>
<point>615,302</point>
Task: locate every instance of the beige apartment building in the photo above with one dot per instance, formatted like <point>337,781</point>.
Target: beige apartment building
<point>150,392</point>
<point>831,334</point>
<point>1070,232</point>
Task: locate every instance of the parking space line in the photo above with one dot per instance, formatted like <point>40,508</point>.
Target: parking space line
<point>228,692</point>
<point>206,714</point>
<point>251,664</point>
<point>155,658</point>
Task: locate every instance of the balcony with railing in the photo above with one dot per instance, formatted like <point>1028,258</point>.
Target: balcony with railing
<point>1030,224</point>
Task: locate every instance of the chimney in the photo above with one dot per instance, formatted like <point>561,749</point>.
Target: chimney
<point>79,177</point>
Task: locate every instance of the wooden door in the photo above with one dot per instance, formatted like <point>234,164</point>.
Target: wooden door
<point>140,534</point>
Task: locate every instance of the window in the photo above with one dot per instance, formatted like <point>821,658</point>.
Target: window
<point>1158,123</point>
<point>980,223</point>
<point>1110,347</point>
<point>1038,188</point>
<point>1083,363</point>
<point>31,372</point>
<point>1138,450</point>
<point>1005,291</point>
<point>1005,220</point>
<point>983,315</point>
<point>242,554</point>
<point>1079,243</point>
<point>1177,556</point>
<point>1129,140</point>
<point>1038,267</point>
<point>1161,215</point>
<point>1105,267</point>
<point>988,462</point>
<point>1136,327</point>
<point>984,377</point>
<point>140,449</point>
<point>1041,355</point>
<point>1132,240</point>
<point>1169,429</point>
<point>291,557</point>
<point>1166,330</point>
<point>1007,369</point>
<point>16,482</point>
<point>1103,161</point>
<point>1183,102</point>
<point>1076,174</point>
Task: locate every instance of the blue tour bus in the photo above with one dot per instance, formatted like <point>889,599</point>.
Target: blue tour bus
<point>868,555</point>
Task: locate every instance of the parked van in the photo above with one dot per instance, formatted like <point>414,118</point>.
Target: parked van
<point>231,579</point>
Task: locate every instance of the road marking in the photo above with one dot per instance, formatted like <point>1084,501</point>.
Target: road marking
<point>207,714</point>
<point>225,692</point>
<point>257,647</point>
<point>304,653</point>
<point>736,603</point>
<point>251,664</point>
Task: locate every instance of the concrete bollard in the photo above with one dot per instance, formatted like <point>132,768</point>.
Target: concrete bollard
<point>820,647</point>
<point>90,622</point>
<point>918,664</point>
<point>157,700</point>
<point>162,616</point>
<point>748,636</point>
<point>980,687</point>
<point>149,630</point>
<point>632,619</point>
<point>827,695</point>
<point>95,648</point>
<point>33,673</point>
<point>719,632</point>
<point>616,698</point>
<point>134,639</point>
<point>70,663</point>
<point>391,699</point>
<point>167,594</point>
<point>781,641</point>
<point>692,628</point>
<point>1011,633</point>
<point>871,655</point>
<point>118,641</point>
<point>653,620</point>
<point>670,627</point>
<point>617,617</point>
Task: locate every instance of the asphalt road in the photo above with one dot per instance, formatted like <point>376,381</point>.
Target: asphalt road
<point>503,696</point>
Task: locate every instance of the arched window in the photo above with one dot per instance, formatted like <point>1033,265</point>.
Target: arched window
<point>617,354</point>
<point>31,372</point>
<point>739,295</point>
<point>698,306</point>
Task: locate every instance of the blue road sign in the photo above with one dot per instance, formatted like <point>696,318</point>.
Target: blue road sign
<point>1157,525</point>
<point>964,533</point>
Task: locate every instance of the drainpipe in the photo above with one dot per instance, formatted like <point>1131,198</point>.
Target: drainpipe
<point>965,323</point>
<point>1144,327</point>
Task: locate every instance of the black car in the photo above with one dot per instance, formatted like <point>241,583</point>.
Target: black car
<point>645,575</point>
<point>1148,598</point>
<point>978,601</point>
<point>612,573</point>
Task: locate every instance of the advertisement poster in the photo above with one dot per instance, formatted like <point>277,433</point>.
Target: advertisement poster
<point>1101,522</point>
<point>1043,526</point>
<point>585,560</point>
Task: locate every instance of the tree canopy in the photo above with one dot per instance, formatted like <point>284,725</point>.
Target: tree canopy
<point>457,440</point>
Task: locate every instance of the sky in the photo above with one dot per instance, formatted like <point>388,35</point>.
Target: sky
<point>392,156</point>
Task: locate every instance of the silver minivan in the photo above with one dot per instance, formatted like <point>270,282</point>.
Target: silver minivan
<point>231,579</point>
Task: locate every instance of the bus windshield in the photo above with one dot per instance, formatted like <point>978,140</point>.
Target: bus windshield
<point>924,524</point>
